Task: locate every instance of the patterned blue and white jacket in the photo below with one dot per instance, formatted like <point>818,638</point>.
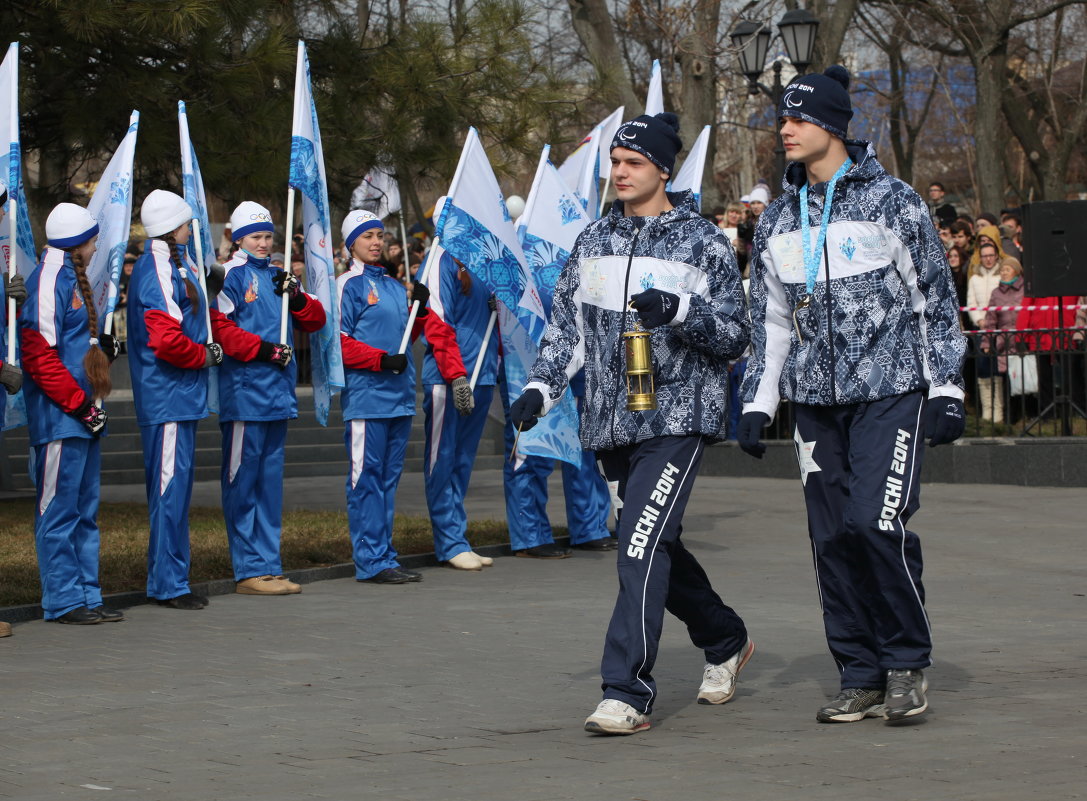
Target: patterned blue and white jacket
<point>888,324</point>
<point>614,258</point>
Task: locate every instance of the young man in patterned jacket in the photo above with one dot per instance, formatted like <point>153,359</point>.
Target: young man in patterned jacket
<point>854,320</point>
<point>652,260</point>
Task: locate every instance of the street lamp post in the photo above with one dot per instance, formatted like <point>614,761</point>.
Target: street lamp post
<point>752,40</point>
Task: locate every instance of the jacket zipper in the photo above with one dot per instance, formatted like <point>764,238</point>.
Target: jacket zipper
<point>626,295</point>
<point>830,329</point>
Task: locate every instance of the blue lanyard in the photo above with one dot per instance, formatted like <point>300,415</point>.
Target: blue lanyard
<point>812,258</point>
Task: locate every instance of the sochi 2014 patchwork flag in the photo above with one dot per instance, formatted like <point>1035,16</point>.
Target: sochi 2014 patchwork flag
<point>111,206</point>
<point>476,229</point>
<point>307,175</point>
<point>16,236</point>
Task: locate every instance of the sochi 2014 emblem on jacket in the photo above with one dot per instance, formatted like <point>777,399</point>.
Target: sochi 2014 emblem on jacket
<point>251,293</point>
<point>372,296</point>
<point>77,299</point>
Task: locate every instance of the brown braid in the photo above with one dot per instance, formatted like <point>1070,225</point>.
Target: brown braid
<point>95,363</point>
<point>190,289</point>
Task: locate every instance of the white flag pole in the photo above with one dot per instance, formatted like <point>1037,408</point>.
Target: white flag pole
<point>434,246</point>
<point>13,210</point>
<point>285,313</point>
<point>404,243</point>
<point>483,349</point>
<point>203,279</point>
<point>604,195</point>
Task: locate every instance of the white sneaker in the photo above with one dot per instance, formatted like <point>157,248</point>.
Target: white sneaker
<point>615,717</point>
<point>466,560</point>
<point>719,681</point>
<point>486,561</point>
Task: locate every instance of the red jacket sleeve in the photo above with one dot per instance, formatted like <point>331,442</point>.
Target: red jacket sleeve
<point>42,363</point>
<point>310,317</point>
<point>443,339</point>
<point>170,344</point>
<point>237,343</point>
<point>359,355</point>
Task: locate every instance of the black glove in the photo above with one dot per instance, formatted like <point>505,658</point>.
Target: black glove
<point>394,363</point>
<point>526,409</point>
<point>110,346</point>
<point>275,353</point>
<point>945,420</point>
<point>492,303</point>
<point>15,288</point>
<point>92,417</point>
<point>749,432</point>
<point>656,308</point>
<point>213,355</point>
<point>284,281</point>
<point>420,292</point>
<point>214,277</point>
<point>463,398</point>
<point>11,377</point>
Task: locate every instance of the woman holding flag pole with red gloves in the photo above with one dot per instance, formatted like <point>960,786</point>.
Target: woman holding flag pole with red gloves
<point>66,372</point>
<point>257,397</point>
<point>456,409</point>
<point>168,357</point>
<point>378,398</point>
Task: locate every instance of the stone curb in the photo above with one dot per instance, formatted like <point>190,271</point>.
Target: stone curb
<point>125,600</point>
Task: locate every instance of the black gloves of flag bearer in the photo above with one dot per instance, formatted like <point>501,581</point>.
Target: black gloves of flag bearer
<point>526,409</point>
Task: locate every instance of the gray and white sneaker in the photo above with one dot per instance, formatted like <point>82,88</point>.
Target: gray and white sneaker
<point>852,704</point>
<point>905,694</point>
<point>719,681</point>
<point>615,717</point>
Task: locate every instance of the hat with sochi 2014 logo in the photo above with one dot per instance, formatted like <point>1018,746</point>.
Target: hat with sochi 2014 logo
<point>822,100</point>
<point>250,218</point>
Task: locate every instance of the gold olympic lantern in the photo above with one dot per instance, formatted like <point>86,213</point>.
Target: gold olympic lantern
<point>641,393</point>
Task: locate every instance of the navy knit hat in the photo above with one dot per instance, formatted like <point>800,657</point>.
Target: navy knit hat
<point>822,100</point>
<point>656,138</point>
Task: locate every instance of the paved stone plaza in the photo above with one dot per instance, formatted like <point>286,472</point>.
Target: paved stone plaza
<point>474,686</point>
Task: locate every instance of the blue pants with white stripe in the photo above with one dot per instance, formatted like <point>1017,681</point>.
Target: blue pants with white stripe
<point>169,450</point>
<point>656,571</point>
<point>66,475</point>
<point>451,444</point>
<point>861,467</point>
<point>252,480</point>
<point>376,449</point>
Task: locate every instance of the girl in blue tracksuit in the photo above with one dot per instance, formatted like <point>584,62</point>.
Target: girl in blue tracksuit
<point>66,373</point>
<point>256,397</point>
<point>379,397</point>
<point>455,415</point>
<point>168,357</point>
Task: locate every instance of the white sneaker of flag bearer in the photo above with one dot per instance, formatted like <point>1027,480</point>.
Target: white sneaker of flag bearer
<point>111,207</point>
<point>200,248</point>
<point>474,226</point>
<point>16,238</point>
<point>307,175</point>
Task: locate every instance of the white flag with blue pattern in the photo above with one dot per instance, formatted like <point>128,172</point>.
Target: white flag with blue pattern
<point>476,229</point>
<point>581,171</point>
<point>111,206</point>
<point>689,176</point>
<point>308,177</point>
<point>654,99</point>
<point>16,225</point>
<point>608,126</point>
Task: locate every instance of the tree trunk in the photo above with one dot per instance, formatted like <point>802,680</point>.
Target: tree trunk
<point>699,89</point>
<point>835,19</point>
<point>989,77</point>
<point>592,24</point>
<point>362,18</point>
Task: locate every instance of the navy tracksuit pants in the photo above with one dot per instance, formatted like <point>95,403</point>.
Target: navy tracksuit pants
<point>861,467</point>
<point>656,572</point>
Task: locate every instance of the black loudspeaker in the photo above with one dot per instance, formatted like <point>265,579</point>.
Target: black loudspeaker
<point>1055,248</point>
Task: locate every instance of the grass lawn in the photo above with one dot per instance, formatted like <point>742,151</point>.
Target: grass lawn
<point>310,539</point>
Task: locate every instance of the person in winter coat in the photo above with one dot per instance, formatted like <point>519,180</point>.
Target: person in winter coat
<point>455,413</point>
<point>67,374</point>
<point>1009,293</point>
<point>168,357</point>
<point>379,397</point>
<point>855,322</point>
<point>1041,323</point>
<point>652,261</point>
<point>984,278</point>
<point>257,397</point>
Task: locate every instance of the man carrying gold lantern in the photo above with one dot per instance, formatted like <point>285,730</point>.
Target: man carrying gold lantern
<point>655,395</point>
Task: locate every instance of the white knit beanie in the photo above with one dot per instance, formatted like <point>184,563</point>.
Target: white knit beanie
<point>163,212</point>
<point>250,218</point>
<point>356,222</point>
<point>69,225</point>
